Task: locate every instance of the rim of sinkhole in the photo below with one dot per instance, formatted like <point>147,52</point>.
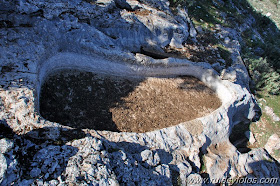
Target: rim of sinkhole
<point>89,100</point>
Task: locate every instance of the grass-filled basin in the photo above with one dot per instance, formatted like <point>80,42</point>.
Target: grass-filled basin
<point>83,99</point>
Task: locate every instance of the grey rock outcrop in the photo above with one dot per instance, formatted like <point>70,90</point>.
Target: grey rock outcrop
<point>272,145</point>
<point>269,111</point>
<point>112,37</point>
<point>3,167</point>
<point>250,137</point>
<point>5,145</point>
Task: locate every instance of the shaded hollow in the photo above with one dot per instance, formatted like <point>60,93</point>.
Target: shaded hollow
<point>238,138</point>
<point>102,102</point>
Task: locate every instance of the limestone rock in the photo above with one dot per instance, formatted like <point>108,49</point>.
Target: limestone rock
<point>273,143</point>
<point>5,145</point>
<point>229,74</point>
<point>150,158</point>
<point>195,180</point>
<point>3,167</point>
<point>35,172</point>
<point>184,170</point>
<point>218,160</point>
<point>270,112</point>
<point>107,37</point>
<point>250,137</point>
<point>257,164</point>
<point>163,170</point>
<point>9,170</point>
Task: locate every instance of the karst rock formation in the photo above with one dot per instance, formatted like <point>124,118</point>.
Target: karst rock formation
<point>124,38</point>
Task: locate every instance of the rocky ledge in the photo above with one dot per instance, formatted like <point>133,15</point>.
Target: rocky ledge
<point>122,38</point>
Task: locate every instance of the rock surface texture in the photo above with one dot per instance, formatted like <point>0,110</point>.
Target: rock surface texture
<point>123,38</point>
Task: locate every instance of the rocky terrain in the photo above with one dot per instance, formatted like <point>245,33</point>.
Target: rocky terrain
<point>131,39</point>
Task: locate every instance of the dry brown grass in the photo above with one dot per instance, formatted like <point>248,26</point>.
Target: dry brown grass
<point>86,100</point>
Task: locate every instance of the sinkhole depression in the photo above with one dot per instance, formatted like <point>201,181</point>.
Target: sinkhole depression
<point>90,100</point>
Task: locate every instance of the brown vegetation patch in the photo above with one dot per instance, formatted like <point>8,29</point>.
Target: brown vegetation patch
<point>142,12</point>
<point>205,49</point>
<point>86,100</point>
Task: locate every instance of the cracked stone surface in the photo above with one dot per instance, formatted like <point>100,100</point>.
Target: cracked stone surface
<point>109,37</point>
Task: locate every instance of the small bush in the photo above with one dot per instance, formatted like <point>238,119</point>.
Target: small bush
<point>272,82</point>
<point>266,78</point>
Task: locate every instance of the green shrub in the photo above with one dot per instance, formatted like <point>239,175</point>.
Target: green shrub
<point>272,82</point>
<point>261,42</point>
<point>265,77</point>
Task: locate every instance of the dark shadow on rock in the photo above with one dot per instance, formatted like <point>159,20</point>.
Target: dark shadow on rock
<point>237,133</point>
<point>276,161</point>
<point>32,149</point>
<point>37,149</point>
<point>56,135</point>
<point>198,50</point>
<point>189,84</point>
<point>264,173</point>
<point>153,54</point>
<point>6,131</point>
<point>31,139</point>
<point>122,4</point>
<point>142,170</point>
<point>238,137</point>
<point>84,99</point>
